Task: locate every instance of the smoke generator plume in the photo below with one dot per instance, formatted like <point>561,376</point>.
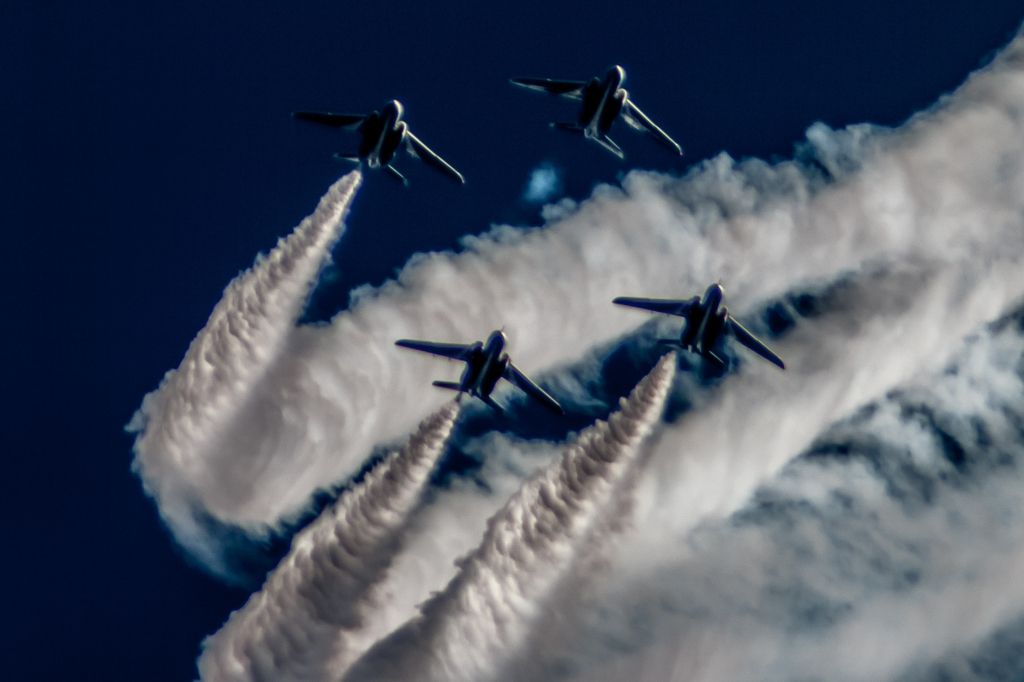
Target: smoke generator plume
<point>313,616</point>
<point>484,615</point>
<point>179,423</point>
<point>944,189</point>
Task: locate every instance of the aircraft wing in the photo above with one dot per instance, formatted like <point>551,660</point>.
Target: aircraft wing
<point>456,351</point>
<point>668,306</point>
<point>570,89</point>
<point>751,342</point>
<point>638,119</point>
<point>418,149</point>
<point>350,121</point>
<point>531,389</point>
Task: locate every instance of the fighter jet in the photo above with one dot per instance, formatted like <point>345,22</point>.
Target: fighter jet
<point>485,364</point>
<point>603,102</point>
<point>382,132</point>
<point>705,322</point>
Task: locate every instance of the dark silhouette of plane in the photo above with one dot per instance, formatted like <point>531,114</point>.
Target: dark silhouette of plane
<point>603,101</point>
<point>485,364</point>
<point>705,322</point>
<point>383,132</point>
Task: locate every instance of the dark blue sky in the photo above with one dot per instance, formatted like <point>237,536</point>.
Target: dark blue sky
<point>147,154</point>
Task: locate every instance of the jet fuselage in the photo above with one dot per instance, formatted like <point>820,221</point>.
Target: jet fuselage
<point>706,322</point>
<point>602,102</point>
<point>485,366</point>
<point>383,132</point>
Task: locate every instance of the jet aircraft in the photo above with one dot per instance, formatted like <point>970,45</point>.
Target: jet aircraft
<point>485,364</point>
<point>603,101</point>
<point>383,132</point>
<point>705,322</point>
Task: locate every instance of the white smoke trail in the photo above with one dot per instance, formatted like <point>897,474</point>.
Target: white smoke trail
<point>897,544</point>
<point>178,447</point>
<point>484,615</point>
<point>315,614</point>
<point>947,188</point>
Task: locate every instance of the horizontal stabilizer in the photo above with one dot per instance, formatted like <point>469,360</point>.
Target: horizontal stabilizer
<point>352,158</point>
<point>450,385</point>
<point>668,306</point>
<point>567,127</point>
<point>456,351</point>
<point>570,89</point>
<point>350,121</point>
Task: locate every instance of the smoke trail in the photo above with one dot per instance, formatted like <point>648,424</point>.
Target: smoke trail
<point>890,550</point>
<point>314,615</point>
<point>479,621</point>
<point>946,188</point>
<point>179,424</point>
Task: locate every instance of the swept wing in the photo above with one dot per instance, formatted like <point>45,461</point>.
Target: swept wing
<point>417,148</point>
<point>661,305</point>
<point>638,119</point>
<point>570,89</point>
<point>531,389</point>
<point>350,121</point>
<point>456,351</point>
<point>751,342</point>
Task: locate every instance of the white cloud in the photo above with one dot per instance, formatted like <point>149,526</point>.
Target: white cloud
<point>545,183</point>
<point>910,239</point>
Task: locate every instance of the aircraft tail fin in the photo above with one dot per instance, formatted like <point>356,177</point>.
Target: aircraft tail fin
<point>393,172</point>
<point>610,145</point>
<point>493,405</point>
<point>715,358</point>
<point>450,385</point>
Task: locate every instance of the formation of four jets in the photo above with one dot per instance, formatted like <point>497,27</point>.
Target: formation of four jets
<point>602,102</point>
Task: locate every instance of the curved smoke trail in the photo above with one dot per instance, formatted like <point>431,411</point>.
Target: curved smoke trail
<point>946,188</point>
<point>179,424</point>
<point>890,550</point>
<point>313,616</point>
<point>481,619</point>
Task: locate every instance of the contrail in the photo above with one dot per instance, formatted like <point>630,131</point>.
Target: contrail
<point>947,187</point>
<point>315,614</point>
<point>484,615</point>
<point>890,551</point>
<point>179,425</point>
